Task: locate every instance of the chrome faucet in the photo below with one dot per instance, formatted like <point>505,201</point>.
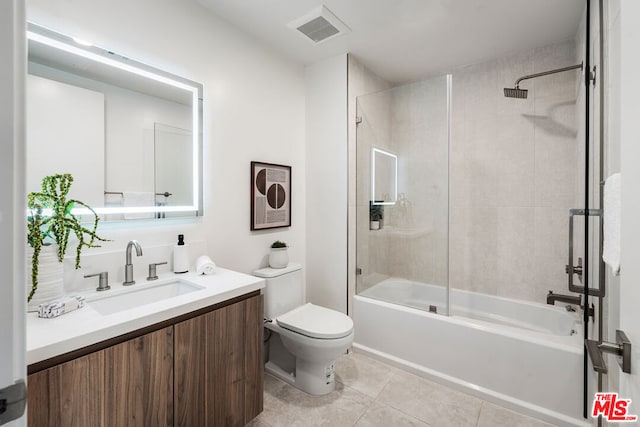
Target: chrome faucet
<point>569,299</point>
<point>128,267</point>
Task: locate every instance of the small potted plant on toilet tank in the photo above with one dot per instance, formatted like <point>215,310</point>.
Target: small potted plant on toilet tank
<point>279,257</point>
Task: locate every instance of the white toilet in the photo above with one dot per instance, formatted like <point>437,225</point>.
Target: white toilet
<point>303,339</point>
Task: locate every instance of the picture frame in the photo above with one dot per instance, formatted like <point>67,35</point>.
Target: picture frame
<point>270,196</point>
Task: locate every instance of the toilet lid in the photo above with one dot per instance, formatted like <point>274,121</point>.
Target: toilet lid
<point>316,322</point>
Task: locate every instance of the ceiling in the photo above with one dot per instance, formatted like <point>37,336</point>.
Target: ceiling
<point>407,40</point>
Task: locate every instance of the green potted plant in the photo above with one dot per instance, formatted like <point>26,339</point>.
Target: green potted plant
<point>376,216</point>
<point>50,222</point>
<point>279,257</point>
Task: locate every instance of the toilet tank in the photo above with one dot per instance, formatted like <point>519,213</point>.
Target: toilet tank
<point>284,289</point>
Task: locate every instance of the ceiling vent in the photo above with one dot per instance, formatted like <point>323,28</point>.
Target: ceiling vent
<point>319,25</point>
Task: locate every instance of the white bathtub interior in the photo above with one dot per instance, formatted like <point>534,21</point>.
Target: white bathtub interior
<point>478,307</point>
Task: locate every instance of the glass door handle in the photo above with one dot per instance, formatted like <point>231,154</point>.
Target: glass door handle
<point>573,269</point>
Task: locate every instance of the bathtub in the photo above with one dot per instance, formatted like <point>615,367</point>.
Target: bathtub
<point>522,355</point>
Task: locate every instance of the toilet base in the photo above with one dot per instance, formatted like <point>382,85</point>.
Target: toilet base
<point>314,378</point>
<point>305,363</point>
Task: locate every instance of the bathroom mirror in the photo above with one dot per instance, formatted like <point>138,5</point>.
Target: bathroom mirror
<point>384,177</point>
<point>130,134</point>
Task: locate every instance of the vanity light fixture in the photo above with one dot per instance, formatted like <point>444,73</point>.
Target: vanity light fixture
<point>58,44</point>
<point>82,42</point>
<point>68,44</point>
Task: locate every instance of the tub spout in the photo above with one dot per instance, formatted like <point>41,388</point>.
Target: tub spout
<point>569,299</point>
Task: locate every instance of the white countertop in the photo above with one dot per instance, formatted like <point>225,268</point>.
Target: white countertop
<point>47,338</point>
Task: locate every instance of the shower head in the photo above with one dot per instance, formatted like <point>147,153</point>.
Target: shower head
<point>515,92</point>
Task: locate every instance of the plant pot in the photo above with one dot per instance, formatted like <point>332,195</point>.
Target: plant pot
<point>278,258</point>
<point>50,276</point>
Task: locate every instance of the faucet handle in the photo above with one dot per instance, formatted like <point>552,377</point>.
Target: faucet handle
<point>153,275</point>
<point>103,280</point>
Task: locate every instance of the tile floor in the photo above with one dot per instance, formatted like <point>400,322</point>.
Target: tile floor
<point>371,393</point>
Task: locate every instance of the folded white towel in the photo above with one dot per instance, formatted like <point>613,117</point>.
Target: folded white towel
<point>204,265</point>
<point>611,223</point>
<point>138,199</point>
<point>61,306</point>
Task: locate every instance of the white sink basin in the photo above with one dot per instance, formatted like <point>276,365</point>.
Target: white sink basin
<point>138,297</point>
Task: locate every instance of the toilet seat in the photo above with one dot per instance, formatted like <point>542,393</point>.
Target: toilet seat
<point>316,322</point>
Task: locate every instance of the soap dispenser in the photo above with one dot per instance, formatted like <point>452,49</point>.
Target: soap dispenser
<point>180,256</point>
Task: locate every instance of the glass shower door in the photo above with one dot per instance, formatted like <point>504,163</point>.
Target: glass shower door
<point>403,195</point>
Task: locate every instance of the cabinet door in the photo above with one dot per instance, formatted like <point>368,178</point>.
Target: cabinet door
<point>190,399</point>
<point>139,381</point>
<point>225,365</point>
<point>69,394</point>
<point>218,360</point>
<point>37,398</point>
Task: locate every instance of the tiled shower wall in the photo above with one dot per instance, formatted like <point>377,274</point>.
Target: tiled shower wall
<point>514,174</point>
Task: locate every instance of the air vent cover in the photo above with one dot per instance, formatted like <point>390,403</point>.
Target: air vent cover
<point>319,25</point>
<point>318,29</point>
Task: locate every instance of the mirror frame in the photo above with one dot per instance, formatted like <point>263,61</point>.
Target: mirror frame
<point>375,150</point>
<point>53,39</point>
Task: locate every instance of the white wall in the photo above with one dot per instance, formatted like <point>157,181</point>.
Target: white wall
<point>326,209</point>
<point>629,15</point>
<point>65,123</point>
<point>12,188</point>
<point>254,103</point>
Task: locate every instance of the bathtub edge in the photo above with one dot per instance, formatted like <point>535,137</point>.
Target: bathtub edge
<point>484,393</point>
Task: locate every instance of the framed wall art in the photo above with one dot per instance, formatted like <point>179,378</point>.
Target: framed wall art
<point>270,196</point>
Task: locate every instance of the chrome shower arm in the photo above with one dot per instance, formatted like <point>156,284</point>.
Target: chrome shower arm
<point>546,73</point>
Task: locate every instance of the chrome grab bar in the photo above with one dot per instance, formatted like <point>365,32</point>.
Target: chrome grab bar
<point>577,269</point>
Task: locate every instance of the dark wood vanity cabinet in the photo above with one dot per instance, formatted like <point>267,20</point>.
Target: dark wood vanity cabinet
<point>225,347</point>
<point>200,369</point>
<point>69,394</point>
<point>138,384</point>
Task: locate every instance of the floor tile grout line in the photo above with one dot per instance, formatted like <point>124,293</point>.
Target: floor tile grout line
<point>431,383</point>
<point>410,415</point>
<point>404,413</point>
<point>372,364</point>
<point>480,413</point>
<point>366,396</point>
<point>365,412</point>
